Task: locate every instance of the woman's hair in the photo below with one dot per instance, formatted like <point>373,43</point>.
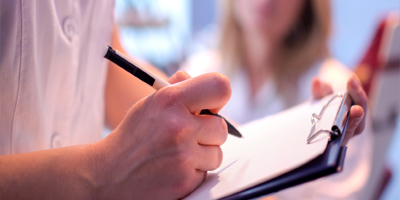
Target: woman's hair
<point>304,44</point>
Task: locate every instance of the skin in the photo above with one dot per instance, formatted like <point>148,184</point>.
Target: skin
<point>137,158</point>
<point>160,148</point>
<point>176,157</point>
<point>267,19</point>
<point>357,112</point>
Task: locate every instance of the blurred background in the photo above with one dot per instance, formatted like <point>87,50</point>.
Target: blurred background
<point>166,33</point>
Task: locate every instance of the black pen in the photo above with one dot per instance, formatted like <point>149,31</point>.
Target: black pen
<point>153,80</point>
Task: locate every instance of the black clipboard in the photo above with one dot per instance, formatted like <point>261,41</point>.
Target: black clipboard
<point>330,162</point>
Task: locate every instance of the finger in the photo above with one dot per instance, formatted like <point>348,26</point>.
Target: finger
<point>320,89</point>
<point>208,157</point>
<point>179,76</point>
<point>326,89</point>
<point>359,97</point>
<point>215,132</point>
<point>198,178</point>
<point>356,117</point>
<point>188,184</point>
<point>356,92</point>
<point>316,88</point>
<point>209,91</point>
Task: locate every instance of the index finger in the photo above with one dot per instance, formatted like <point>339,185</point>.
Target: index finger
<point>208,91</point>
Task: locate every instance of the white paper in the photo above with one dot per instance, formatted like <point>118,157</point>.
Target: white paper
<point>270,147</point>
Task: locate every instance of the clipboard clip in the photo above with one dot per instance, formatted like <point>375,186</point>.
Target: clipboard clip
<point>316,117</point>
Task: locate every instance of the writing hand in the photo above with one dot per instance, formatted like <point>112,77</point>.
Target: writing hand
<point>162,149</point>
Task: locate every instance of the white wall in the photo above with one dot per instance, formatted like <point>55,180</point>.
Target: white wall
<point>354,24</point>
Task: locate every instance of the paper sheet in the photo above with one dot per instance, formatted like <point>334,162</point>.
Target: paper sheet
<point>270,147</point>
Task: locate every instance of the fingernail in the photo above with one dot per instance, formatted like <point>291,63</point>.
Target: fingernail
<point>354,84</point>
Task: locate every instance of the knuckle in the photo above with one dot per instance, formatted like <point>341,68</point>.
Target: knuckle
<point>169,96</point>
<point>183,182</point>
<point>175,124</point>
<point>224,127</point>
<point>176,128</point>
<point>183,185</point>
<point>183,159</point>
<point>224,131</point>
<point>216,159</point>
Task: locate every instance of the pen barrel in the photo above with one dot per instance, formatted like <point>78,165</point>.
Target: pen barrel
<point>129,65</point>
<point>158,84</point>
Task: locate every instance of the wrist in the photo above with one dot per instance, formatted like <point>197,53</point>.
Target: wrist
<point>105,161</point>
<point>95,180</point>
<point>113,168</point>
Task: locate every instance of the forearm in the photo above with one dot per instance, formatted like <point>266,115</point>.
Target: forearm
<point>65,173</point>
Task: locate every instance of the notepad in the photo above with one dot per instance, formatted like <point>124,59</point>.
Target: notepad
<point>271,146</point>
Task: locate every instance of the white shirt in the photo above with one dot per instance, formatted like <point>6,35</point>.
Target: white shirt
<point>242,108</point>
<point>52,72</point>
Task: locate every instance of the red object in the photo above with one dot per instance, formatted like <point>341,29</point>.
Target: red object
<point>387,176</point>
<point>371,61</point>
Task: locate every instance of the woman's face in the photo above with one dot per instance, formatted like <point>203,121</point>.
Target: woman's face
<point>273,19</point>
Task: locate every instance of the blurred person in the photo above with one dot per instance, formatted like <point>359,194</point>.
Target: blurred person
<point>57,92</point>
<point>271,50</point>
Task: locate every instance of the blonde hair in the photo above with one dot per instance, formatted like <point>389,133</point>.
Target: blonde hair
<point>306,43</point>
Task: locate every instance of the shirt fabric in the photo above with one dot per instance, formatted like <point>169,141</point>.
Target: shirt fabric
<point>242,108</point>
<point>52,72</point>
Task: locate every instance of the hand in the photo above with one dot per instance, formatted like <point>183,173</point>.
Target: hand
<point>162,150</point>
<point>357,112</point>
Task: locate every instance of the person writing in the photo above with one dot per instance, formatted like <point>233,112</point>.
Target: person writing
<point>57,91</point>
<point>53,79</point>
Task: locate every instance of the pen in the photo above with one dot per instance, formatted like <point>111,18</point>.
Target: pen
<point>153,80</point>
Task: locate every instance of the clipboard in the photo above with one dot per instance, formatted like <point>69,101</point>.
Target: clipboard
<point>329,160</point>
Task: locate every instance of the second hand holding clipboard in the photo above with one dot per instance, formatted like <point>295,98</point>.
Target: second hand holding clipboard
<point>330,162</point>
<point>339,123</point>
<point>277,153</point>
